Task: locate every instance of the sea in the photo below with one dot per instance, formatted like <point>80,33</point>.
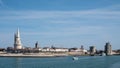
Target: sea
<point>61,62</point>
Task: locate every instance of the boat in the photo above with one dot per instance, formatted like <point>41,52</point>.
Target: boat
<point>75,58</point>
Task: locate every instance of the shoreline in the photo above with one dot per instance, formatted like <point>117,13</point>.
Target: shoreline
<point>41,55</point>
<point>32,55</point>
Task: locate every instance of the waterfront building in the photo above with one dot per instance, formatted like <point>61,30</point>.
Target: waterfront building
<point>46,49</point>
<point>10,49</point>
<point>74,49</point>
<point>2,50</point>
<point>83,51</point>
<point>54,49</point>
<point>82,47</point>
<point>17,41</point>
<point>36,45</point>
<point>77,51</point>
<point>92,50</point>
<point>60,50</point>
<point>108,49</point>
<point>37,49</point>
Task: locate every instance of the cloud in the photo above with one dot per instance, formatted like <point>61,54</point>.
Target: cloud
<point>87,14</point>
<point>70,31</point>
<point>115,7</point>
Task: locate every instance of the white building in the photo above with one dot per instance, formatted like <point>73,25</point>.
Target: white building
<point>61,50</point>
<point>47,49</point>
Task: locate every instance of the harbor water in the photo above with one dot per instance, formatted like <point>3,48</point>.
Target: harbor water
<point>61,62</point>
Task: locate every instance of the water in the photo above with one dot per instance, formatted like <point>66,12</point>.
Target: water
<point>62,62</point>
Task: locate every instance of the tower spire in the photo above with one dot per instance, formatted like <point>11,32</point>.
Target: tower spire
<point>17,41</point>
<point>18,33</point>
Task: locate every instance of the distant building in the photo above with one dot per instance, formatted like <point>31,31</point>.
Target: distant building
<point>2,49</point>
<point>54,49</point>
<point>17,41</point>
<point>46,49</point>
<point>82,47</point>
<point>37,49</point>
<point>36,45</point>
<point>74,50</point>
<point>83,50</point>
<point>77,51</point>
<point>60,49</point>
<point>92,50</point>
<point>108,49</point>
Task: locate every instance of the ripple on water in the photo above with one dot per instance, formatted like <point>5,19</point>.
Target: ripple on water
<point>116,65</point>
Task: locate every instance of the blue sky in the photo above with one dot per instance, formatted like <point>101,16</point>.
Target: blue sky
<point>62,23</point>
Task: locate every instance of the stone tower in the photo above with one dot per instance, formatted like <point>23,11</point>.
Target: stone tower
<point>108,49</point>
<point>17,41</point>
<point>92,50</point>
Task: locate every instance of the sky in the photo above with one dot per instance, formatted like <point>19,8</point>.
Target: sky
<point>61,23</point>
